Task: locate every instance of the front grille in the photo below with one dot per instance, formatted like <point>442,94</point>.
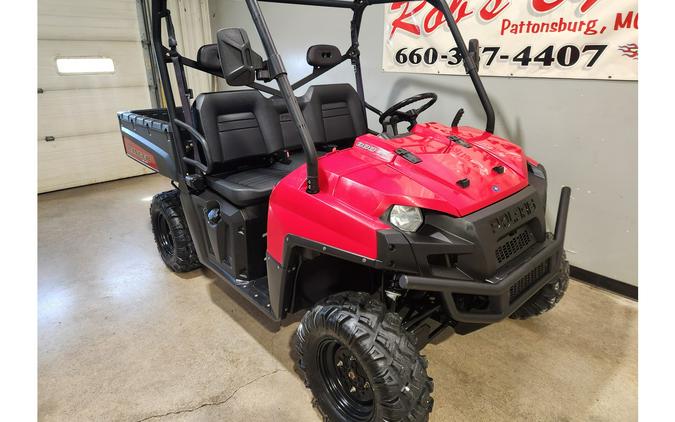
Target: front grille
<point>512,246</point>
<point>528,280</point>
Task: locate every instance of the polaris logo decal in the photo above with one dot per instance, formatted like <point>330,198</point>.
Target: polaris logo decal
<point>513,216</point>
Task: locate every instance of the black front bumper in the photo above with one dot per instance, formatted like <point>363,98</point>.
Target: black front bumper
<point>504,292</point>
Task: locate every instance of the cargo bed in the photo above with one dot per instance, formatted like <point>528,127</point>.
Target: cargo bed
<point>147,138</point>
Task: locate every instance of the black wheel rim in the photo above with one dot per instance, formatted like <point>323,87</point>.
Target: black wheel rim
<point>348,387</point>
<point>164,236</point>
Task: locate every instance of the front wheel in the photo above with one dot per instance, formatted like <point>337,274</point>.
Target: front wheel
<point>360,363</point>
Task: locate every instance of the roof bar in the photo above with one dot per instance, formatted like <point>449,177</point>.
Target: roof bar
<point>325,3</point>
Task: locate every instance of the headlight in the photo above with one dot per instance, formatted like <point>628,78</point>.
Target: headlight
<point>406,218</point>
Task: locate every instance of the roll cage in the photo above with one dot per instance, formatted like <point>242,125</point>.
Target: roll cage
<point>169,55</point>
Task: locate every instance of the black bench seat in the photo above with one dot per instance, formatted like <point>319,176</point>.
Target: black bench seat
<point>249,136</point>
<point>247,187</point>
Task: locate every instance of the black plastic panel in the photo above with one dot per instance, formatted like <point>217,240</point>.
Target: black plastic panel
<point>323,55</point>
<point>149,129</point>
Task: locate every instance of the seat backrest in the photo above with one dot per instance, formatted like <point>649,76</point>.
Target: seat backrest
<point>240,127</point>
<point>334,114</point>
<point>289,131</point>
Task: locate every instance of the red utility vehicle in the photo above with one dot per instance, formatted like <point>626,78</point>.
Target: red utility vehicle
<point>387,238</point>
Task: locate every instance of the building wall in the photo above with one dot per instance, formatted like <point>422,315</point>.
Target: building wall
<point>584,132</point>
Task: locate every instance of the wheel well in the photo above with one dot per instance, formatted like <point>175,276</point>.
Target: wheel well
<point>320,275</point>
<point>315,275</point>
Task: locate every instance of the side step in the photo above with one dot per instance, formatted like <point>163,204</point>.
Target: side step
<point>256,291</point>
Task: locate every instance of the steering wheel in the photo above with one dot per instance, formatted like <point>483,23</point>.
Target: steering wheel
<point>393,115</point>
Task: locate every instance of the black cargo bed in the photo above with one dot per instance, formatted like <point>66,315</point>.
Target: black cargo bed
<point>147,138</point>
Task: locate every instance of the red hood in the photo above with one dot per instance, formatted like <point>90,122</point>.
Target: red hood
<point>371,176</point>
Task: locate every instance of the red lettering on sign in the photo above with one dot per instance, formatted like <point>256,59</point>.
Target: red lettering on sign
<point>544,6</point>
<point>401,23</point>
<point>492,8</point>
<point>432,20</point>
<point>627,22</point>
<point>587,5</point>
<point>458,9</point>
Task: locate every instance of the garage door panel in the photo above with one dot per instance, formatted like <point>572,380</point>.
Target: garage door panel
<point>86,111</point>
<point>88,20</point>
<point>90,158</point>
<point>126,56</point>
<point>79,110</point>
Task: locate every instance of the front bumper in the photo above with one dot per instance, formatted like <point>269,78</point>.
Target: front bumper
<point>507,290</point>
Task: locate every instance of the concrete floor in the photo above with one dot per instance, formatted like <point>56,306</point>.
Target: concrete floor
<point>121,338</point>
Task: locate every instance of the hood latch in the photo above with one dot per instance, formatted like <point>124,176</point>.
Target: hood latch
<point>408,155</point>
<point>460,141</point>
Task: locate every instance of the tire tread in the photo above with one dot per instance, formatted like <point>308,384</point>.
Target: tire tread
<point>185,257</point>
<point>399,371</point>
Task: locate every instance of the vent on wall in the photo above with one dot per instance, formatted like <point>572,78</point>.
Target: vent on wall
<point>84,65</point>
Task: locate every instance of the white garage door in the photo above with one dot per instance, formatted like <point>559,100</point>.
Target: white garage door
<point>90,65</point>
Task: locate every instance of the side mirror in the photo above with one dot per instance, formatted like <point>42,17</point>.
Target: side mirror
<point>474,51</point>
<point>238,60</point>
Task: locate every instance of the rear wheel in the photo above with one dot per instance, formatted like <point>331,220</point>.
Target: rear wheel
<point>549,296</point>
<point>360,364</point>
<point>172,235</point>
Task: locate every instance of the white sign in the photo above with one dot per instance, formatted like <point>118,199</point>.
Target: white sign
<point>582,39</point>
